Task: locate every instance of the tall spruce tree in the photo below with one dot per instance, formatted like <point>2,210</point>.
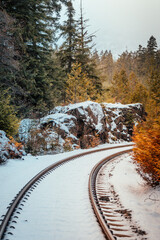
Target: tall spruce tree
<point>83,53</point>
<point>9,64</point>
<point>84,43</point>
<point>68,32</point>
<point>152,45</point>
<point>37,21</point>
<point>151,52</point>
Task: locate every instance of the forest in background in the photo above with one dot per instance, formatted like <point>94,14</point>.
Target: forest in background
<point>37,73</point>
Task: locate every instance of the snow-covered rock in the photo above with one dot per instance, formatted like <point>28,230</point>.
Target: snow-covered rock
<point>120,119</point>
<point>81,125</point>
<point>8,148</point>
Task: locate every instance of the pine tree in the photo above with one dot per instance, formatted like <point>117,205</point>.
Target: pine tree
<point>137,91</point>
<point>83,53</point>
<point>84,44</point>
<point>79,87</point>
<point>8,54</point>
<point>106,67</point>
<point>154,90</point>
<point>120,87</point>
<point>8,119</point>
<point>68,32</point>
<point>36,26</point>
<point>152,46</point>
<point>140,58</point>
<point>151,52</point>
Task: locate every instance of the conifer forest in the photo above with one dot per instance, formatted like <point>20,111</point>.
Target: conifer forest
<point>38,71</point>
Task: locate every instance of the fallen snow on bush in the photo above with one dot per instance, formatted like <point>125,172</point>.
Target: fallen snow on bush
<point>8,148</point>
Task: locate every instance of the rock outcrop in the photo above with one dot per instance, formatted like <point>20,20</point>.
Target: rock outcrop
<point>121,118</point>
<point>81,125</point>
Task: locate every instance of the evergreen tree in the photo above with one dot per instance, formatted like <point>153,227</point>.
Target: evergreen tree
<point>125,61</point>
<point>8,54</point>
<point>84,44</point>
<point>79,87</point>
<point>141,58</point>
<point>120,87</point>
<point>8,119</point>
<point>83,53</point>
<point>152,46</point>
<point>68,32</point>
<point>151,52</point>
<point>137,91</point>
<point>37,21</point>
<point>106,67</point>
<point>154,87</point>
<point>59,82</point>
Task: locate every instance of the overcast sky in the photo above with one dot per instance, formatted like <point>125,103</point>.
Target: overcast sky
<point>122,24</point>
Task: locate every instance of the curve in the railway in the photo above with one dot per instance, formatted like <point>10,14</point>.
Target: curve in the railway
<point>104,212</point>
<point>29,187</point>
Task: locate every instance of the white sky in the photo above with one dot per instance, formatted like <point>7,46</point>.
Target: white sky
<point>122,24</point>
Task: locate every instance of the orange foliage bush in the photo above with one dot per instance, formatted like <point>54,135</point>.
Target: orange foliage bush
<point>147,149</point>
<point>19,146</point>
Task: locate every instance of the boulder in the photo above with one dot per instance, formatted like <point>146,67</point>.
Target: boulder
<point>82,125</point>
<point>121,118</point>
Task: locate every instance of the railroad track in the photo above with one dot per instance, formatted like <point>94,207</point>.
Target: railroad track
<point>110,221</point>
<point>17,204</point>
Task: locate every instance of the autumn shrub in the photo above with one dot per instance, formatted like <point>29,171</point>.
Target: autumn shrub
<point>146,152</point>
<point>18,145</point>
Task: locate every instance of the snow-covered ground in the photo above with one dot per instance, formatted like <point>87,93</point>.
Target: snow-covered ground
<point>64,204</point>
<point>134,195</point>
<point>59,206</point>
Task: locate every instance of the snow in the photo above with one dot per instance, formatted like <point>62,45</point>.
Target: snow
<point>61,200</point>
<point>3,139</point>
<point>64,121</point>
<point>96,109</point>
<point>115,105</point>
<point>57,117</point>
<point>120,105</point>
<point>135,195</point>
<point>73,106</point>
<point>25,126</point>
<point>71,122</point>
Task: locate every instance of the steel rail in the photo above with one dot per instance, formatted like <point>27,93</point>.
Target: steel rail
<point>22,192</point>
<point>93,197</point>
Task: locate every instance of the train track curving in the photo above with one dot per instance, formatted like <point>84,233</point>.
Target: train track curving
<point>108,218</point>
<point>17,203</point>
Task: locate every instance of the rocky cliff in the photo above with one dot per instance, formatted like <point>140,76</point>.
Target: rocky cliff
<point>81,125</point>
